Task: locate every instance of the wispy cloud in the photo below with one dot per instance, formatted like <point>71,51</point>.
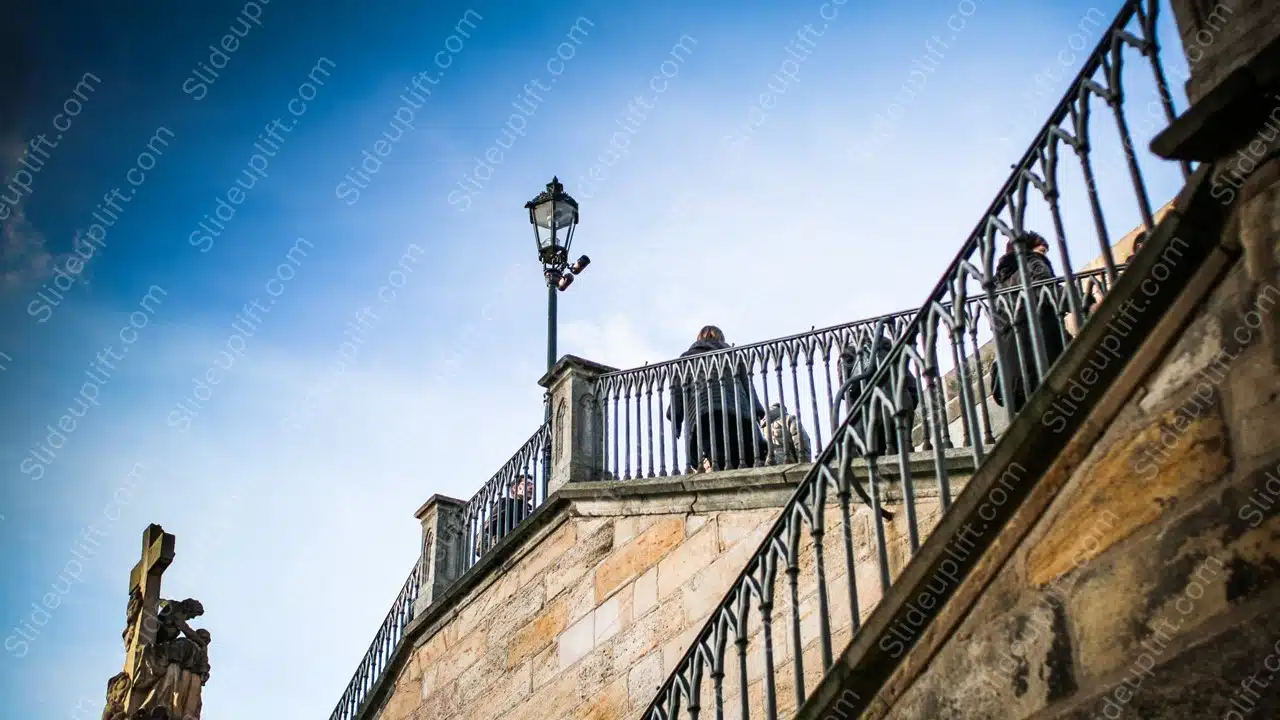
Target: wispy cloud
<point>23,254</point>
<point>22,246</point>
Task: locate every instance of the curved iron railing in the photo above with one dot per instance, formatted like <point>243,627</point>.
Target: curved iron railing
<point>382,649</point>
<point>491,513</point>
<point>505,501</point>
<point>796,373</point>
<point>821,603</point>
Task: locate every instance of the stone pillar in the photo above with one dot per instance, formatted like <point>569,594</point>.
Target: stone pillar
<point>1233,124</point>
<point>443,547</point>
<point>1219,36</point>
<point>577,421</point>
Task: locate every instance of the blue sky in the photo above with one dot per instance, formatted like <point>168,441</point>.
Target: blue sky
<point>297,543</point>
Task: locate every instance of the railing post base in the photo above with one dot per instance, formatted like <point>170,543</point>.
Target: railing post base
<point>577,421</point>
<point>443,547</point>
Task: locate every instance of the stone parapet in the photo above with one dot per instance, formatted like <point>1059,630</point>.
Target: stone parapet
<point>587,605</point>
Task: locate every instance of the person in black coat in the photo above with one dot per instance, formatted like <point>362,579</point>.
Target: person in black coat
<point>1015,347</point>
<point>508,512</point>
<point>857,365</point>
<point>726,408</point>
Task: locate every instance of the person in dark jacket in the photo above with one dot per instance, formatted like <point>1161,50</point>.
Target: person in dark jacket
<point>1015,347</point>
<point>508,512</point>
<point>725,406</point>
<point>857,364</point>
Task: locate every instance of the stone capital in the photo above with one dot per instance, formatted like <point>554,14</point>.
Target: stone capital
<point>575,366</point>
<point>430,507</point>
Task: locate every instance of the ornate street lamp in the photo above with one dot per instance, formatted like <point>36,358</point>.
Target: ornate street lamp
<point>554,216</point>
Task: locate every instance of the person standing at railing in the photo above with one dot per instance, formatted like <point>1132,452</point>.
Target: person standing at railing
<point>1094,291</point>
<point>726,410</point>
<point>1015,348</point>
<point>857,364</point>
<point>787,436</point>
<point>507,512</point>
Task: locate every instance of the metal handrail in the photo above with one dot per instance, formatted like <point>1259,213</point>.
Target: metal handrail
<point>879,411</point>
<point>485,526</point>
<point>385,641</point>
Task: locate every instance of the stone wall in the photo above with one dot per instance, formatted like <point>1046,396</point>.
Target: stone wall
<point>588,615</point>
<point>1149,587</point>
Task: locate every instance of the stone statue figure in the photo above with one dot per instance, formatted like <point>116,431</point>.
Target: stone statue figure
<point>170,675</point>
<point>180,661</point>
<point>166,660</point>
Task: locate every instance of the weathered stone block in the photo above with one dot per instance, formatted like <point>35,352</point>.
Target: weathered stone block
<point>685,561</point>
<point>461,656</point>
<point>429,681</point>
<point>539,633</point>
<point>635,557</point>
<point>502,624</point>
<point>545,666</point>
<point>510,690</point>
<point>579,560</point>
<point>609,704</point>
<point>547,552</point>
<point>554,700</point>
<point>646,592</point>
<point>487,672</point>
<point>1253,405</point>
<point>1223,676</point>
<point>675,647</point>
<point>1198,350</point>
<point>582,598</point>
<point>628,526</point>
<point>1171,458</point>
<point>694,523</point>
<point>445,702</point>
<point>1198,566</point>
<point>646,634</point>
<point>577,641</point>
<point>645,677</point>
<point>613,615</point>
<point>1005,665</point>
<point>734,527</point>
<point>705,589</point>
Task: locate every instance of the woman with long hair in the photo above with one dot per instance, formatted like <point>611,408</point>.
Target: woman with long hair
<point>721,400</point>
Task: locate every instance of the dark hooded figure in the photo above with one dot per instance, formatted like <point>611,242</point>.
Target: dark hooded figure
<point>857,365</point>
<point>726,435</point>
<point>1014,343</point>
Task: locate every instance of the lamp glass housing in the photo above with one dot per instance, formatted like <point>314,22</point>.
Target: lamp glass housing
<point>553,215</point>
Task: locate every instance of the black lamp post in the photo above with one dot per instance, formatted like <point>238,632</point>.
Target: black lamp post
<point>554,216</point>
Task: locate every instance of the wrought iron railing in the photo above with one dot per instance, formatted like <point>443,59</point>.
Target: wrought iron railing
<point>820,603</point>
<point>506,499</point>
<point>796,373</point>
<point>493,512</point>
<point>382,649</point>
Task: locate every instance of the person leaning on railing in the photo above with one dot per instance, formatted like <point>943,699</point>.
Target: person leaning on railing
<point>507,512</point>
<point>725,399</point>
<point>1015,348</point>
